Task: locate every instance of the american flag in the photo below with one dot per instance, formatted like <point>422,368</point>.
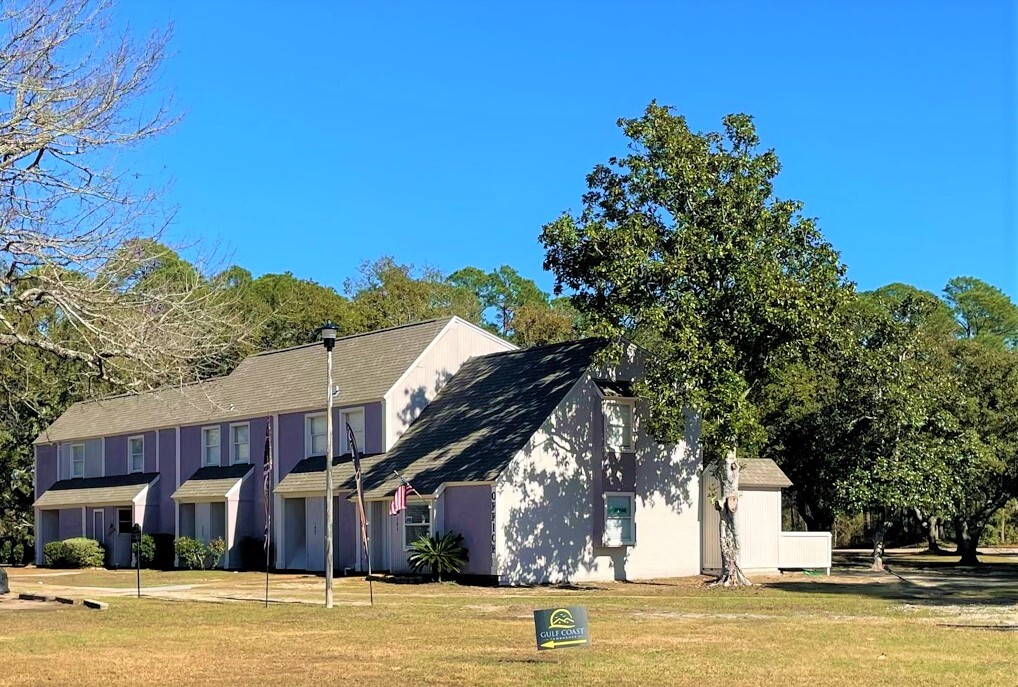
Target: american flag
<point>399,499</point>
<point>267,476</point>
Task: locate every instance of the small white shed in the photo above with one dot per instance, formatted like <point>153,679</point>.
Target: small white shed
<point>764,547</point>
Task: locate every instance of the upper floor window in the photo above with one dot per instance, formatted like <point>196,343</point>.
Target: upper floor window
<point>618,425</point>
<point>136,454</point>
<point>77,460</point>
<point>240,443</point>
<point>210,446</point>
<point>354,418</point>
<point>315,434</point>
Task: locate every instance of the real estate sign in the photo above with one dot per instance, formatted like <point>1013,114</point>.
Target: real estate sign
<point>561,628</point>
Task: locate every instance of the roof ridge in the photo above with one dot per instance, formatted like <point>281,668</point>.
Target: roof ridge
<point>352,336</point>
<point>519,351</point>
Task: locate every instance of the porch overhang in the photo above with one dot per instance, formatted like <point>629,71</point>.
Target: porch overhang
<point>308,476</point>
<point>213,483</point>
<point>119,490</point>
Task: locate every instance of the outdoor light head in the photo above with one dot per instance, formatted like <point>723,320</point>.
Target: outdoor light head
<point>328,333</point>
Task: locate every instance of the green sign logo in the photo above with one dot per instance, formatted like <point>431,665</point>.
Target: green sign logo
<point>561,628</point>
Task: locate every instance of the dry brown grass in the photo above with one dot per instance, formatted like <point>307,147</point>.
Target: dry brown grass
<point>788,631</point>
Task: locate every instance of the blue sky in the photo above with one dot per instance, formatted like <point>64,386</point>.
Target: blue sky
<point>318,135</point>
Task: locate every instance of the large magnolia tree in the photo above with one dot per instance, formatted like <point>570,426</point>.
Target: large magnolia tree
<point>82,276</point>
<point>683,247</point>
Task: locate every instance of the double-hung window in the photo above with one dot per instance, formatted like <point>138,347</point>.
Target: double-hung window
<point>315,434</point>
<point>210,456</point>
<point>240,443</point>
<point>136,454</point>
<point>354,418</point>
<point>77,460</point>
<point>618,519</point>
<point>416,523</point>
<point>618,425</point>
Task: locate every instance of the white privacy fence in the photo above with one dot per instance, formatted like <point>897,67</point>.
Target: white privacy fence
<point>805,550</point>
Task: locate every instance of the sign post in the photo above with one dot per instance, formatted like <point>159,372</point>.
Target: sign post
<point>561,628</point>
<point>136,547</point>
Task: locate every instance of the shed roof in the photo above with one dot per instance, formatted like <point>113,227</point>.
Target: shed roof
<point>119,490</point>
<point>212,482</point>
<point>482,418</point>
<point>762,473</point>
<point>309,474</point>
<point>365,367</point>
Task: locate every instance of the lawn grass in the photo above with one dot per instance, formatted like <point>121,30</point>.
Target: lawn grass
<point>794,630</point>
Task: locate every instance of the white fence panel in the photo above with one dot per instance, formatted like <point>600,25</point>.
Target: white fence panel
<point>805,550</point>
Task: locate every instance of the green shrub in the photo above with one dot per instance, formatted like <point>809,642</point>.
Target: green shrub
<point>53,554</point>
<point>214,551</point>
<point>148,550</point>
<point>195,554</point>
<point>442,554</point>
<point>81,552</point>
<point>190,553</point>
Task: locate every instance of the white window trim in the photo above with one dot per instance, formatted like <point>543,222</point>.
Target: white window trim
<point>431,522</point>
<point>307,434</point>
<point>70,458</point>
<point>233,443</point>
<point>205,446</point>
<point>632,519</point>
<point>130,468</point>
<point>631,403</point>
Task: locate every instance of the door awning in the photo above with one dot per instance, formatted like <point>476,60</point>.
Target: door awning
<point>96,491</point>
<point>212,483</point>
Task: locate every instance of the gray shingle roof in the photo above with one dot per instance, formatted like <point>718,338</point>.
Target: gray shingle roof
<point>96,491</point>
<point>761,472</point>
<point>309,474</point>
<point>482,418</point>
<point>211,482</point>
<point>365,366</point>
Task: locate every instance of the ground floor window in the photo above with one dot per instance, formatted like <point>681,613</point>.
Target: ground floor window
<point>125,523</point>
<point>618,520</point>
<point>416,523</point>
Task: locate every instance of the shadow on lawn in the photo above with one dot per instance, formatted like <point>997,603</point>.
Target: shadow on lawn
<point>922,587</point>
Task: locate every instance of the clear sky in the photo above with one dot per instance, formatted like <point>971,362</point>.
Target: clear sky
<point>320,134</point>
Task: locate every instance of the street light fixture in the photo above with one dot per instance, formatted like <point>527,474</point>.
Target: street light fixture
<point>328,334</point>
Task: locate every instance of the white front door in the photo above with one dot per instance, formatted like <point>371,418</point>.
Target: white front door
<point>314,509</point>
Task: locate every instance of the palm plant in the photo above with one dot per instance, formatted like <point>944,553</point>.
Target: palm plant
<point>442,554</point>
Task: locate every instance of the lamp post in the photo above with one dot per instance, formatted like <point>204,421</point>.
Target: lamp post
<point>328,334</point>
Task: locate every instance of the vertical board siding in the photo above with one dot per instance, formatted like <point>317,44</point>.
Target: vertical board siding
<point>467,511</point>
<point>759,523</point>
<point>167,484</point>
<point>70,523</point>
<point>804,550</point>
<point>150,451</point>
<point>116,455</point>
<point>94,458</point>
<point>291,442</point>
<point>45,468</point>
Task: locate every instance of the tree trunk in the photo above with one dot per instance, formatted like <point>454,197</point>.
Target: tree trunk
<point>933,529</point>
<point>878,546</point>
<point>727,504</point>
<point>967,539</point>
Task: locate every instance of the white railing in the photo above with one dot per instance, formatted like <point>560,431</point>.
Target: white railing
<point>805,550</point>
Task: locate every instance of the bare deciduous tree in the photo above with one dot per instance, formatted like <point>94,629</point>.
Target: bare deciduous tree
<point>83,275</point>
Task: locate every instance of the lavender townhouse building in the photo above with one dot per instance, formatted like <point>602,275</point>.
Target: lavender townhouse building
<point>538,457</point>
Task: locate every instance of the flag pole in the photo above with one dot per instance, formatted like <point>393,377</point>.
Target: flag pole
<point>352,440</point>
<point>403,480</point>
<point>267,487</point>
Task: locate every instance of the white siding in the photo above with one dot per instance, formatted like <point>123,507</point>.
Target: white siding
<point>456,343</point>
<point>759,524</point>
<point>545,503</point>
